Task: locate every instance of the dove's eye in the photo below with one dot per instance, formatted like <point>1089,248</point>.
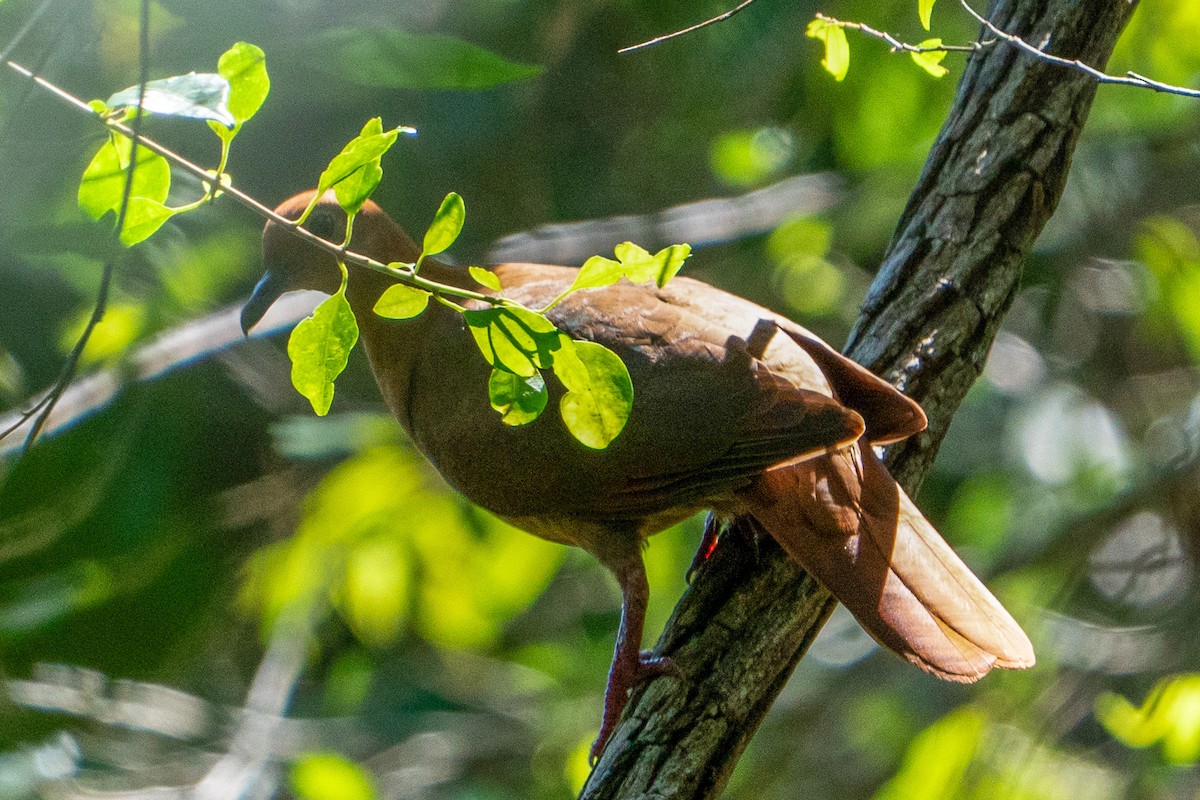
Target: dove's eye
<point>323,224</point>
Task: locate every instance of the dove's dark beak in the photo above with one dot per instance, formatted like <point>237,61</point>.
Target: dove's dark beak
<point>268,290</point>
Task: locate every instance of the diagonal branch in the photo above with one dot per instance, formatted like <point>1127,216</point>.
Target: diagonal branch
<point>989,185</point>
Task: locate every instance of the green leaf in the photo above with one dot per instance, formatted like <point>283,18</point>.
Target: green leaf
<point>519,400</point>
<point>485,278</point>
<point>447,224</point>
<point>357,166</point>
<point>633,263</point>
<point>329,776</point>
<point>197,95</point>
<point>244,66</point>
<point>514,340</point>
<point>401,302</point>
<point>837,50</point>
<point>925,11</point>
<point>599,394</point>
<point>143,216</point>
<point>396,59</point>
<point>319,348</point>
<point>931,61</point>
<point>103,181</point>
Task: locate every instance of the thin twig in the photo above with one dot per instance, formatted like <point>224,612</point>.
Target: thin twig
<point>898,46</point>
<point>1128,79</point>
<point>696,27</point>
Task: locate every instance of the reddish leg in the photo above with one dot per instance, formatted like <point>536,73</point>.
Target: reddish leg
<point>708,543</point>
<point>629,664</point>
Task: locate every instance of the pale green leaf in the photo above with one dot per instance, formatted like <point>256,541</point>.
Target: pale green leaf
<point>837,50</point>
<point>330,776</point>
<point>197,95</point>
<point>319,348</point>
<point>402,302</point>
<point>931,61</point>
<point>519,400</point>
<point>396,59</point>
<point>447,224</point>
<point>599,394</point>
<point>244,66</point>
<point>103,181</point>
<point>485,278</point>
<point>514,340</point>
<point>925,11</point>
<point>361,155</point>
<point>634,263</point>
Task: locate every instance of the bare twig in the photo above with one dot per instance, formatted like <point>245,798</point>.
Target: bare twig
<point>696,27</point>
<point>1128,79</point>
<point>899,46</point>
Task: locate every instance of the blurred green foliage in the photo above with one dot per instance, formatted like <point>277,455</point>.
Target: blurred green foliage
<point>158,542</point>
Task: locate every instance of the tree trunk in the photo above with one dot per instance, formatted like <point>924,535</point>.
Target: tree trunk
<point>991,182</point>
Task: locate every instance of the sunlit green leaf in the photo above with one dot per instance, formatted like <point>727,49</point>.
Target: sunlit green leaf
<point>634,263</point>
<point>319,348</point>
<point>931,61</point>
<point>925,11</point>
<point>244,66</point>
<point>103,182</point>
<point>447,224</point>
<point>515,340</point>
<point>396,59</point>
<point>197,95</point>
<point>837,50</point>
<point>329,776</point>
<point>599,394</point>
<point>519,400</point>
<point>357,166</point>
<point>401,302</point>
<point>485,278</point>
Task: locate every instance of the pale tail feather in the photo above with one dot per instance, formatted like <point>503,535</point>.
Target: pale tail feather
<point>845,520</point>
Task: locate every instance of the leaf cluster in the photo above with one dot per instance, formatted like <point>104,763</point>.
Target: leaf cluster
<point>519,343</point>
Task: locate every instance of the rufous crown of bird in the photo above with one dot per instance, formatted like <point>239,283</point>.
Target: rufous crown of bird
<point>735,409</point>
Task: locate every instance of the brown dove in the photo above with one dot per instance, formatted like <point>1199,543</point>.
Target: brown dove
<point>736,409</point>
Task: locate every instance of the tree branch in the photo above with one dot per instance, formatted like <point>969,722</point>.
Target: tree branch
<point>990,183</point>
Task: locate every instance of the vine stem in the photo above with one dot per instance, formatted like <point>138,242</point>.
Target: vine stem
<point>341,251</point>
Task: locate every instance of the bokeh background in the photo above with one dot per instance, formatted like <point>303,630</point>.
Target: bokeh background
<point>204,587</point>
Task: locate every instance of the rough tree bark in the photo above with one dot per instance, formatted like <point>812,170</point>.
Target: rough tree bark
<point>989,185</point>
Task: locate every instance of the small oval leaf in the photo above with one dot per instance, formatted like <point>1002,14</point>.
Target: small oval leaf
<point>361,155</point>
<point>244,66</point>
<point>519,400</point>
<point>103,181</point>
<point>402,302</point>
<point>319,347</point>
<point>485,278</point>
<point>931,61</point>
<point>512,339</point>
<point>837,50</point>
<point>599,394</point>
<point>447,224</point>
